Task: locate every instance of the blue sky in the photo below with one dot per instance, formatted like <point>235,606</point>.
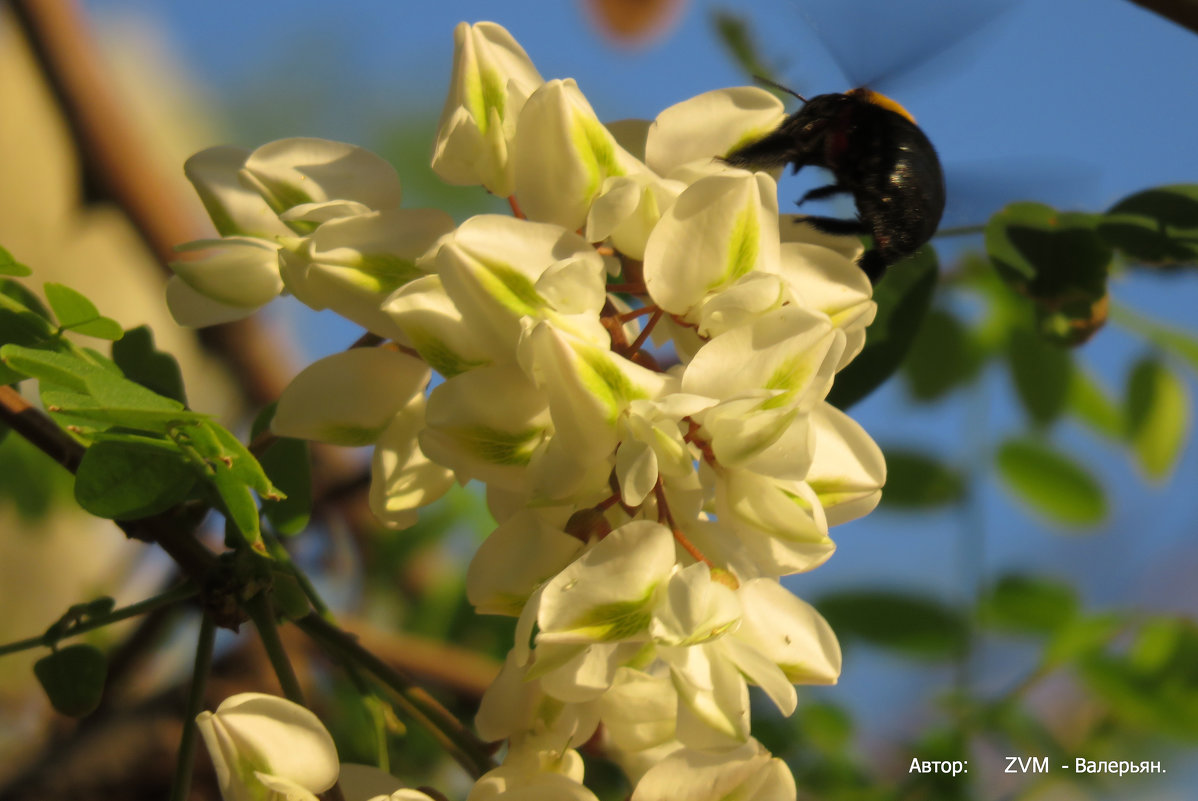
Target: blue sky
<point>1092,98</point>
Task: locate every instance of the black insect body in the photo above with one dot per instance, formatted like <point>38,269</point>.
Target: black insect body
<point>877,154</point>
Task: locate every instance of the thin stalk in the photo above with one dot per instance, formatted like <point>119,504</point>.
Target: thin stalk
<point>450,733</point>
<point>283,556</point>
<point>260,611</point>
<point>195,700</point>
<point>181,593</point>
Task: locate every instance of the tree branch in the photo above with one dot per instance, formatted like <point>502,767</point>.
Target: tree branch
<point>194,560</point>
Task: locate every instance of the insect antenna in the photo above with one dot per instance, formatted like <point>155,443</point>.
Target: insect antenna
<point>775,85</point>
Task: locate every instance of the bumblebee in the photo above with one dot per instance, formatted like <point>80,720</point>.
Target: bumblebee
<point>877,154</point>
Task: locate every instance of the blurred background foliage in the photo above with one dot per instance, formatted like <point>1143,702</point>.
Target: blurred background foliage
<point>1026,588</point>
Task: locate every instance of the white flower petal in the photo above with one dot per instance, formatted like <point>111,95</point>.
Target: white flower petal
<point>192,309</point>
<point>349,398</point>
<point>848,469</point>
<point>790,632</point>
<point>492,78</point>
<point>402,478</point>
<point>233,208</point>
<point>291,172</point>
<point>253,733</point>
<point>519,555</point>
<point>708,125</point>
<point>720,229</point>
<point>236,271</point>
<point>607,593</point>
<point>562,155</point>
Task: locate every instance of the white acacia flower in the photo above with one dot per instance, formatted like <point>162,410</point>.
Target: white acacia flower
<point>562,155</point>
<point>262,744</point>
<point>531,775</point>
<point>748,772</point>
<point>500,272</point>
<point>628,208</point>
<point>353,264</point>
<point>402,478</point>
<point>492,78</point>
<point>720,229</point>
<point>262,202</point>
<point>349,398</point>
<point>647,500</point>
<point>692,133</point>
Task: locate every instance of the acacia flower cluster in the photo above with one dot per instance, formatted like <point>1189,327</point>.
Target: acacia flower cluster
<point>634,365</point>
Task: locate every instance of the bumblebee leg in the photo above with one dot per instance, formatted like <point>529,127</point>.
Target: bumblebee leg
<point>873,264</point>
<point>824,191</point>
<point>831,225</point>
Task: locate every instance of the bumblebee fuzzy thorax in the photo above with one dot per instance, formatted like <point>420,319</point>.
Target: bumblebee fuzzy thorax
<point>879,99</point>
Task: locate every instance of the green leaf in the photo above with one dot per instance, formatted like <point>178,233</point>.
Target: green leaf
<point>140,361</point>
<point>829,727</point>
<point>1031,604</point>
<point>1157,226</point>
<point>1050,483</point>
<point>243,465</point>
<point>240,507</point>
<point>1177,341</point>
<point>78,613</point>
<point>76,313</point>
<point>1093,405</point>
<point>288,594</point>
<point>1041,372</point>
<point>1153,687</point>
<point>76,408</point>
<point>31,483</point>
<point>1158,417</point>
<point>1071,322</point>
<point>903,299</point>
<point>1081,638</point>
<point>944,355</point>
<point>288,467</point>
<point>73,678</point>
<point>916,480</point>
<point>1047,254</point>
<point>64,369</point>
<point>23,321</point>
<point>125,480</point>
<point>234,472</point>
<point>118,393</point>
<point>10,266</point>
<point>733,32</point>
<point>15,296</point>
<point>911,624</point>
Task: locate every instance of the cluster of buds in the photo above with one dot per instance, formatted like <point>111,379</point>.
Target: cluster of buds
<point>634,365</point>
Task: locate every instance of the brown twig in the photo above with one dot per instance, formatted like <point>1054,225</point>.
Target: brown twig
<point>194,560</point>
<point>39,429</point>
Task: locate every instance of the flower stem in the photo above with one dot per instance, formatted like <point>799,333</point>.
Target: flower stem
<point>471,753</point>
<point>259,610</point>
<point>195,700</point>
<point>283,557</point>
<point>180,593</point>
<point>667,518</point>
<point>646,331</point>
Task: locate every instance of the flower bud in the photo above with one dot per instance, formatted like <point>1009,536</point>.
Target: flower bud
<point>492,77</point>
<point>262,743</point>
